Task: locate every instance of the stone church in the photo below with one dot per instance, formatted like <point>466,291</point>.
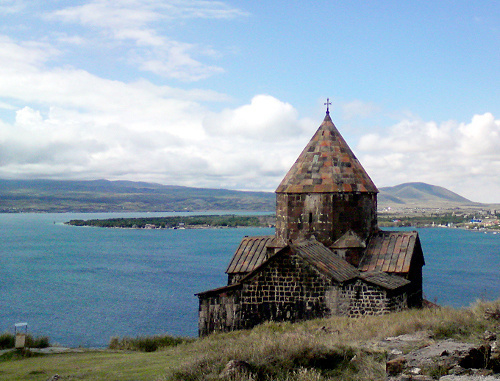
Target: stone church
<point>327,257</point>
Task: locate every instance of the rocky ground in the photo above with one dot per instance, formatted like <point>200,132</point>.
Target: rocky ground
<point>419,357</point>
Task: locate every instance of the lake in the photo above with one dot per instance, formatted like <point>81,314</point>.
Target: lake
<point>80,286</point>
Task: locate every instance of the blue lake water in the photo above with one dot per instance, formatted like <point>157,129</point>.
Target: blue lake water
<point>81,286</point>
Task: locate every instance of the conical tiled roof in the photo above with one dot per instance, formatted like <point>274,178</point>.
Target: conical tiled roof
<point>327,165</point>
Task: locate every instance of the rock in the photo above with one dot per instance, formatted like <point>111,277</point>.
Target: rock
<point>415,371</point>
<point>482,372</point>
<point>236,368</point>
<point>395,366</point>
<point>409,337</point>
<point>448,354</point>
<point>468,378</point>
<point>55,377</point>
<point>494,363</point>
<point>394,353</point>
<point>474,357</point>
<point>457,370</point>
<point>419,377</point>
<point>489,336</point>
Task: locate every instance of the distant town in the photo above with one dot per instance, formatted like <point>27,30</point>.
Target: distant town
<point>479,219</point>
<point>464,218</point>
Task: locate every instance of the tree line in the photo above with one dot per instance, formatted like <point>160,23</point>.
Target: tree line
<point>179,222</point>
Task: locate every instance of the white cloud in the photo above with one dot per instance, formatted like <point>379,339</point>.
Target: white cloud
<point>139,21</point>
<point>139,13</point>
<point>18,56</point>
<point>11,6</point>
<point>462,157</point>
<point>359,109</point>
<point>6,106</point>
<point>481,137</point>
<point>411,136</point>
<point>175,61</point>
<point>72,124</point>
<point>264,118</point>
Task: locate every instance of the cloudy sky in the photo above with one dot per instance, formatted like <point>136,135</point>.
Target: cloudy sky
<point>226,94</point>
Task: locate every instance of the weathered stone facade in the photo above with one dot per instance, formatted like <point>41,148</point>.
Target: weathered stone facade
<point>327,256</point>
<point>362,298</point>
<point>288,288</point>
<point>327,216</point>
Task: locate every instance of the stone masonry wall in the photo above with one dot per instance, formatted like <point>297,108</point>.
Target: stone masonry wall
<point>415,295</point>
<point>327,216</point>
<point>361,298</point>
<point>219,313</point>
<point>288,290</point>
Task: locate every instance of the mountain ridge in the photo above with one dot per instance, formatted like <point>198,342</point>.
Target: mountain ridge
<point>43,195</point>
<point>420,193</point>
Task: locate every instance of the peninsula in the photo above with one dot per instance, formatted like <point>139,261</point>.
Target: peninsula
<point>181,222</point>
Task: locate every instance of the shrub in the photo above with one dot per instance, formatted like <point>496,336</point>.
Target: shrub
<point>145,343</point>
<point>37,342</point>
<point>7,340</point>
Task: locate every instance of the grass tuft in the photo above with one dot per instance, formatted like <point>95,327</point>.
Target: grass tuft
<point>146,343</point>
<point>8,340</point>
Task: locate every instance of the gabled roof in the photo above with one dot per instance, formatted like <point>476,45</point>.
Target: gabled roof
<point>391,251</point>
<point>251,258</point>
<point>384,280</point>
<point>349,240</point>
<point>324,260</point>
<point>219,290</point>
<point>326,165</point>
<point>250,254</point>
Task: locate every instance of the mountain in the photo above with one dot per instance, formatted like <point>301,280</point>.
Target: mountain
<point>420,194</point>
<point>132,196</point>
<point>123,196</point>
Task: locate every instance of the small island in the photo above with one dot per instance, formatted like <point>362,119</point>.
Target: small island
<point>181,222</point>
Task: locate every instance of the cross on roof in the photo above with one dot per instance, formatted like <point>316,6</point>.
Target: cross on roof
<point>327,104</point>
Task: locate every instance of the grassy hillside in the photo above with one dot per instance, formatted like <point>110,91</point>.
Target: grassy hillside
<point>324,349</point>
<point>130,196</point>
<point>123,196</point>
<point>420,194</point>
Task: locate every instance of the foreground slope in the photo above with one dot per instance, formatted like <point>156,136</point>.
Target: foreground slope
<point>327,349</point>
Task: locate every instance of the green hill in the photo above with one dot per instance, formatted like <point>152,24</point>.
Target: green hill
<point>123,196</point>
<point>131,196</point>
<point>421,194</point>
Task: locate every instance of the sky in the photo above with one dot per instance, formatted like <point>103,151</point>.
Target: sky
<point>226,94</point>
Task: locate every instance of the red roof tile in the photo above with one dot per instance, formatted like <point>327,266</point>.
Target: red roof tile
<point>323,259</point>
<point>349,240</point>
<point>327,164</point>
<point>387,281</point>
<point>391,252</point>
<point>250,254</point>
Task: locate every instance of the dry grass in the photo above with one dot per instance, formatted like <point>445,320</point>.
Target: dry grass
<point>317,350</point>
<point>328,349</point>
<point>146,343</point>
